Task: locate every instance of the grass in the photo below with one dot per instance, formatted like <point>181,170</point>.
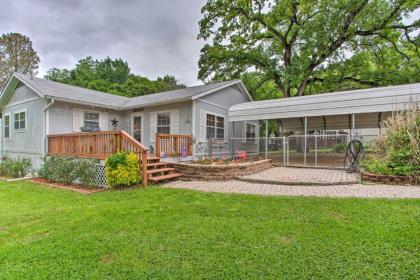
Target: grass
<point>47,233</point>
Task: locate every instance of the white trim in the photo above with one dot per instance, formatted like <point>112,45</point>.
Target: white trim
<point>242,88</point>
<point>10,127</point>
<point>72,101</point>
<point>211,103</point>
<point>21,102</point>
<point>143,130</point>
<point>256,136</point>
<point>26,120</point>
<point>225,125</point>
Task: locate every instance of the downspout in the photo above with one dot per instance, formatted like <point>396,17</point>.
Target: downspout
<point>46,124</point>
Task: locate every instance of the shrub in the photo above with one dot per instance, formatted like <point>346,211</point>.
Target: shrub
<point>69,170</point>
<point>122,169</point>
<point>397,150</point>
<point>16,168</point>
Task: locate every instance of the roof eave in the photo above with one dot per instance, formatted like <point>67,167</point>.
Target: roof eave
<point>79,102</point>
<point>151,104</point>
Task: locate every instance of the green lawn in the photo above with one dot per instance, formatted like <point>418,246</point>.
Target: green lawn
<point>165,233</point>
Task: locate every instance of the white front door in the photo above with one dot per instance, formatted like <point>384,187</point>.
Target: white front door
<point>137,126</point>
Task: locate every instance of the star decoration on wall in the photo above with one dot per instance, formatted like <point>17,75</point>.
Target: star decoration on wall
<point>114,122</point>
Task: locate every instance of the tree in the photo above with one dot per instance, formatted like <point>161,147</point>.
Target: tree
<point>16,55</point>
<point>295,44</point>
<point>112,76</point>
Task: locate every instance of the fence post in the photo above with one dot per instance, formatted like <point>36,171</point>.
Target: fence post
<point>316,150</point>
<point>305,140</point>
<point>284,151</point>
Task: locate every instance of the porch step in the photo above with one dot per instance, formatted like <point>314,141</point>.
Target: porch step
<point>165,177</point>
<point>157,164</point>
<point>160,170</point>
<point>152,158</point>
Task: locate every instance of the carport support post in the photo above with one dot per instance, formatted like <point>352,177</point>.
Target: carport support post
<point>353,125</point>
<point>305,140</point>
<point>233,141</point>
<point>266,139</point>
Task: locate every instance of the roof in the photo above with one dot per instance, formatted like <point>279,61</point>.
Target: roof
<point>177,95</point>
<point>380,99</point>
<point>74,94</point>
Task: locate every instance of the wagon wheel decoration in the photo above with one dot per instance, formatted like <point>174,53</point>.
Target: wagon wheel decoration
<point>355,153</point>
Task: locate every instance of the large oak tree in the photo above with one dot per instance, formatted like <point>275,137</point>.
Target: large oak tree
<point>16,55</point>
<point>294,45</point>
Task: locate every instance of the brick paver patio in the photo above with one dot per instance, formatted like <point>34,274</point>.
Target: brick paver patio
<point>302,176</point>
<point>355,190</point>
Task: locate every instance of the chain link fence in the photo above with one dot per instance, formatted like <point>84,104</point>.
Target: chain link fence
<point>323,151</point>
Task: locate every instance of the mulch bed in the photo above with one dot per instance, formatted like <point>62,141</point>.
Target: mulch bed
<point>75,188</point>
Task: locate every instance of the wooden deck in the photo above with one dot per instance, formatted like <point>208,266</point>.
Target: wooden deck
<point>98,145</point>
<point>102,144</point>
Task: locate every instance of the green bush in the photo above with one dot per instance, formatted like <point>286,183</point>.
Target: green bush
<point>397,151</point>
<point>122,169</point>
<point>16,168</point>
<point>69,170</point>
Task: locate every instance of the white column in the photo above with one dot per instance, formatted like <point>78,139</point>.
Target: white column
<point>266,139</point>
<point>353,126</point>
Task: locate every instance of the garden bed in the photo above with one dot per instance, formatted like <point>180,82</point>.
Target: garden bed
<point>71,187</point>
<point>388,179</point>
<point>217,172</point>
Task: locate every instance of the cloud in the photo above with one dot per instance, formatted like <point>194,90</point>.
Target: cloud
<point>156,37</point>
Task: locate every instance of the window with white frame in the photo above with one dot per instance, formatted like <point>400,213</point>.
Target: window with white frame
<point>19,119</point>
<point>164,123</point>
<point>250,132</point>
<point>215,127</point>
<point>91,121</point>
<point>6,125</point>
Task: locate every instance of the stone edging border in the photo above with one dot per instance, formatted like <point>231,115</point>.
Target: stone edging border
<point>193,171</point>
<point>387,179</point>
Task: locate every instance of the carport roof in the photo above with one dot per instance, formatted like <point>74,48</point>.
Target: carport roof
<point>380,99</point>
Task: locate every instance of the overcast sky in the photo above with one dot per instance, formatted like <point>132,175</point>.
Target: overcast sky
<point>156,37</point>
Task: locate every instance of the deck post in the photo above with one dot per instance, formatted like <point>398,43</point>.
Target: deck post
<point>144,167</point>
<point>266,139</point>
<point>305,140</point>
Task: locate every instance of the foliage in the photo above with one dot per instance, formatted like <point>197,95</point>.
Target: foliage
<point>68,170</point>
<point>122,169</point>
<point>397,151</point>
<point>16,55</point>
<point>112,76</point>
<point>303,47</point>
<point>16,168</point>
<point>164,233</point>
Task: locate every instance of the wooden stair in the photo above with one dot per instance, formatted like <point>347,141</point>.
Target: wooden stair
<point>158,171</point>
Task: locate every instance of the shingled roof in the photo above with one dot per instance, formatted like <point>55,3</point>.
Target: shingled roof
<point>74,94</point>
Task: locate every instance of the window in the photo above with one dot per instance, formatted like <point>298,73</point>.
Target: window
<point>20,120</point>
<point>91,121</point>
<point>6,126</point>
<point>250,132</point>
<point>164,123</point>
<point>215,127</point>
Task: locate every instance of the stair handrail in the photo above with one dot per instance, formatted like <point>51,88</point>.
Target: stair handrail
<point>142,153</point>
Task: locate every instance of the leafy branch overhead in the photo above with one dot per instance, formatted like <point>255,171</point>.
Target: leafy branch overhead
<point>296,44</point>
<point>16,55</point>
<point>112,76</point>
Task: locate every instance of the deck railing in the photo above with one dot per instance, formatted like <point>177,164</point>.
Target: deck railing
<point>172,145</point>
<point>98,145</point>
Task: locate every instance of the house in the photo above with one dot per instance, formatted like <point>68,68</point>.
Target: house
<point>33,108</point>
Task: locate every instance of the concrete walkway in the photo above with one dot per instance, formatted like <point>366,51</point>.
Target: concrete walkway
<point>354,190</point>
